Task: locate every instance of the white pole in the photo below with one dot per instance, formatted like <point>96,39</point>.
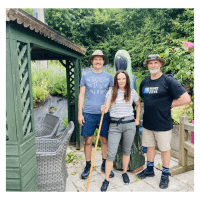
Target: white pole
<point>39,14</point>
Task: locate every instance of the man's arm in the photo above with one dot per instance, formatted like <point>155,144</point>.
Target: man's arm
<point>81,98</point>
<point>182,100</point>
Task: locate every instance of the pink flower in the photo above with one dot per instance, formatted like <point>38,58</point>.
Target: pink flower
<point>188,45</point>
<point>174,50</point>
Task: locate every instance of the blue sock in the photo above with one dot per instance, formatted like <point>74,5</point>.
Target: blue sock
<point>103,162</point>
<point>165,172</point>
<point>150,166</point>
<point>88,163</point>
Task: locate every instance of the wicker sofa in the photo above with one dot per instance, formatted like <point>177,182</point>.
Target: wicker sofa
<point>50,156</point>
<point>49,127</point>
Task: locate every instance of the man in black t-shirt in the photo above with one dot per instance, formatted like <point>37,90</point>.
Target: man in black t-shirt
<point>159,93</point>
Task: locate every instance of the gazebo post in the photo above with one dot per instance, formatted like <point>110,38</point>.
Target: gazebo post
<point>77,78</point>
<point>73,74</point>
<point>21,169</point>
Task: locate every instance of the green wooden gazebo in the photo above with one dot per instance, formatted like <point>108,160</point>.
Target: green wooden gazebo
<point>30,39</point>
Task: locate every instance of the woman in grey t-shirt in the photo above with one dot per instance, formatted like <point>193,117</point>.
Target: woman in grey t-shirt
<point>120,99</point>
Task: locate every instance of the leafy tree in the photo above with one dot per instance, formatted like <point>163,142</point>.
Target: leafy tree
<point>28,10</point>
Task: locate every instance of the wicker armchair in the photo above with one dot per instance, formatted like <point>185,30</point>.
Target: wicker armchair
<point>50,156</point>
<point>49,127</point>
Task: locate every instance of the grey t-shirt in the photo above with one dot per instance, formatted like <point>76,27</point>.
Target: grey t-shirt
<point>97,85</point>
<point>121,108</point>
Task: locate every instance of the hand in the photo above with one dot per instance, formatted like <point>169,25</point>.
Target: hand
<point>103,109</point>
<point>137,122</point>
<point>81,119</point>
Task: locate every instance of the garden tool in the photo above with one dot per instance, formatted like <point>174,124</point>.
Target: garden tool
<point>93,157</point>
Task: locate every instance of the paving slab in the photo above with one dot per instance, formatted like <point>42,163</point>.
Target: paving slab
<point>70,187</point>
<point>138,186</point>
<point>179,183</point>
<point>174,184</point>
<point>187,177</point>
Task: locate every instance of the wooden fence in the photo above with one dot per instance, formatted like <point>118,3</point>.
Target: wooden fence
<point>184,147</point>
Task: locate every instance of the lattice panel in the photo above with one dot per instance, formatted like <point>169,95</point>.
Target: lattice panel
<point>24,87</point>
<point>71,82</point>
<point>7,135</point>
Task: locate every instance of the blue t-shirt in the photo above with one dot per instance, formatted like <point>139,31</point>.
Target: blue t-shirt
<point>97,85</point>
<point>158,96</point>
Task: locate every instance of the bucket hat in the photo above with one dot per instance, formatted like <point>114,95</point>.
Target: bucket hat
<point>98,53</point>
<point>153,57</point>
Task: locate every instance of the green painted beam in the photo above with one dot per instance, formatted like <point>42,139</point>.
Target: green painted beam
<point>30,36</point>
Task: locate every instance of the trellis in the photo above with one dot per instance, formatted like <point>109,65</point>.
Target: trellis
<point>29,39</point>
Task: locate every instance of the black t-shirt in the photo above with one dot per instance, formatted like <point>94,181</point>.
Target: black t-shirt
<point>158,96</point>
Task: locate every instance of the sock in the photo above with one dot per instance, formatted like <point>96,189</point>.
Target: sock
<point>165,172</point>
<point>88,163</point>
<point>103,163</point>
<point>150,166</point>
<point>106,181</point>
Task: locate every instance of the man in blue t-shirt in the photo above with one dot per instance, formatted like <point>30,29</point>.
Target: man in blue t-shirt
<point>159,93</point>
<point>94,84</point>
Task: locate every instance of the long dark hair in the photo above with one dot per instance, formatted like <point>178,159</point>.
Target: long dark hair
<point>127,93</point>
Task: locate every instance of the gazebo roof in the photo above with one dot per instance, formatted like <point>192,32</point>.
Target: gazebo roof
<point>36,25</point>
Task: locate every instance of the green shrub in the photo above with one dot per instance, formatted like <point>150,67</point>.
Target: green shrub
<point>182,110</point>
<point>57,85</point>
<point>39,95</point>
<point>65,122</point>
<point>95,138</point>
<point>180,61</point>
<point>111,71</point>
<point>45,82</point>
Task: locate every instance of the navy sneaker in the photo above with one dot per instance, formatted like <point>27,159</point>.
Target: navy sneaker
<point>103,169</point>
<point>86,172</point>
<point>164,182</point>
<point>104,185</point>
<point>145,173</point>
<point>125,178</point>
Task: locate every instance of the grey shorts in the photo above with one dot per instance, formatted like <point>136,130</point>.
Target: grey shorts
<point>127,130</point>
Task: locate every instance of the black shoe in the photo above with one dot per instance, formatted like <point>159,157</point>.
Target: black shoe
<point>103,171</point>
<point>86,172</point>
<point>104,185</point>
<point>164,182</point>
<point>145,173</point>
<point>125,178</point>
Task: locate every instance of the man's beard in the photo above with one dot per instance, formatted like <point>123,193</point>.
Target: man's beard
<point>154,71</point>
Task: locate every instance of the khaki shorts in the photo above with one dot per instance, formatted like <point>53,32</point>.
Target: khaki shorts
<point>163,139</point>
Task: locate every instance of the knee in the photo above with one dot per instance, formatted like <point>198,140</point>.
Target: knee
<point>88,141</point>
<point>110,156</point>
<point>165,152</point>
<point>104,141</point>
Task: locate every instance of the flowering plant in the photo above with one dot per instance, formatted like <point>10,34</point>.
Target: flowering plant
<point>188,45</point>
<point>180,61</point>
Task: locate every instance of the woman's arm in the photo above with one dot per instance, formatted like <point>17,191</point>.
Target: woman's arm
<point>138,111</point>
<point>105,108</point>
